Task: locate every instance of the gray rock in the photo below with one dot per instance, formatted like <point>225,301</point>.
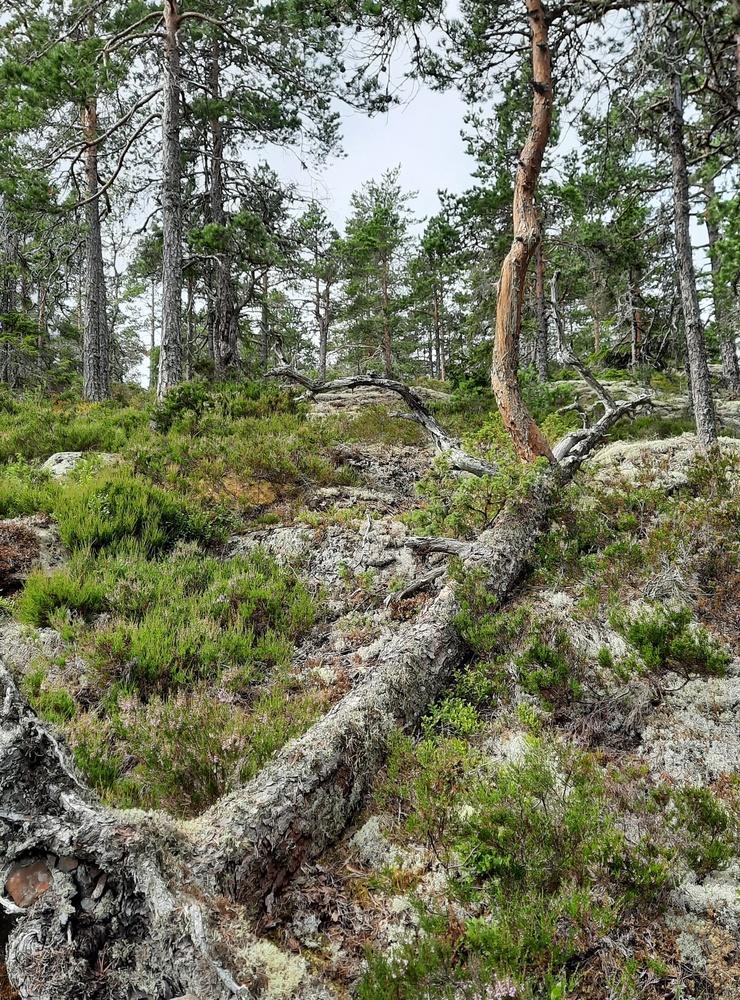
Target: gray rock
<point>62,463</point>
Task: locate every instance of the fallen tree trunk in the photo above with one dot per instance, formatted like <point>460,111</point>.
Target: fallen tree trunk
<point>443,442</point>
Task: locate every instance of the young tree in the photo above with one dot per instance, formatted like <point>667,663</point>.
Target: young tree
<point>372,252</point>
<point>320,241</point>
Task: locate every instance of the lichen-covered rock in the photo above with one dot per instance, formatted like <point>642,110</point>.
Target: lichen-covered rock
<point>61,463</point>
<point>693,736</point>
<point>669,459</point>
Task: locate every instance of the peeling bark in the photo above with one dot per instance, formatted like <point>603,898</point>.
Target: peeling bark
<point>529,441</point>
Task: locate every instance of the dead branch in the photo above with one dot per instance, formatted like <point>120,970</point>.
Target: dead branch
<point>443,442</point>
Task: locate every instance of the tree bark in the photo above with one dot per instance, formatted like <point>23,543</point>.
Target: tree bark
<point>636,326</point>
<point>542,352</point>
<point>265,319</point>
<point>725,333</point>
<point>225,319</point>
<point>385,304</point>
<point>529,441</point>
<point>701,389</point>
<point>96,334</point>
<point>171,346</point>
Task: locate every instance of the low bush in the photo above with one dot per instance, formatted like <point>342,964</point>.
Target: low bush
<point>25,489</point>
<point>666,639</point>
<point>118,511</point>
<point>67,591</point>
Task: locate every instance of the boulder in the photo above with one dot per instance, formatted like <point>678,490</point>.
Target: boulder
<point>62,463</point>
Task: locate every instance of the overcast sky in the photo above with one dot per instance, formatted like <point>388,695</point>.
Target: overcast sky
<point>422,134</point>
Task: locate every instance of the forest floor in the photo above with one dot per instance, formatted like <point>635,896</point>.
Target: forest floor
<point>185,596</point>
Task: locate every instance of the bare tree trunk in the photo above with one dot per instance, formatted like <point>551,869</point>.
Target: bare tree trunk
<point>542,352</point>
<point>529,441</point>
<point>323,318</point>
<point>636,326</point>
<point>96,334</point>
<point>152,341</point>
<point>701,389</point>
<point>171,346</point>
<point>265,320</point>
<point>725,333</point>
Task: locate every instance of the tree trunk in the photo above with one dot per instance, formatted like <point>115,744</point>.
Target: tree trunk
<point>529,441</point>
<point>96,335</point>
<point>725,333</point>
<point>701,389</point>
<point>636,325</point>
<point>171,346</point>
<point>387,345</point>
<point>225,319</point>
<point>542,352</point>
<point>265,320</point>
<point>323,315</point>
<point>152,341</point>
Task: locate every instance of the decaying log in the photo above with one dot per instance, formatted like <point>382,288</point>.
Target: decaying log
<point>151,928</point>
<point>448,446</point>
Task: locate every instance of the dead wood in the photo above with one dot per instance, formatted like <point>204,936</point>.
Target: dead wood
<point>443,442</point>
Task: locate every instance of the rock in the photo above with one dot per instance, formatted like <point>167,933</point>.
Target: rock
<point>62,463</point>
<point>27,883</point>
<point>693,736</point>
<point>667,460</point>
<point>27,544</point>
<point>67,864</point>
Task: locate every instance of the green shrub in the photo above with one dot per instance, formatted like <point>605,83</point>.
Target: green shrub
<point>53,704</point>
<point>67,590</point>
<point>665,640</point>
<point>711,833</point>
<point>24,489</point>
<point>183,752</point>
<point>190,617</point>
<point>119,511</point>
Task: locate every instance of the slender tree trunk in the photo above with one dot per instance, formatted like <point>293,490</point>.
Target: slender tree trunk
<point>542,353</point>
<point>725,333</point>
<point>439,356</point>
<point>265,320</point>
<point>96,335</point>
<point>225,320</point>
<point>323,315</point>
<point>387,346</point>
<point>152,341</point>
<point>171,346</point>
<point>701,389</point>
<point>529,441</point>
<point>636,323</point>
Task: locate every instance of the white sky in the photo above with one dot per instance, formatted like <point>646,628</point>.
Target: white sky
<point>422,135</point>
